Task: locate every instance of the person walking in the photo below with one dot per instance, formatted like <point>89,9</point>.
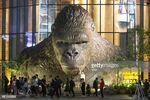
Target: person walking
<point>25,86</point>
<point>6,84</point>
<point>44,85</point>
<point>88,90</point>
<point>95,86</point>
<point>51,88</point>
<point>83,87</point>
<point>56,87</point>
<point>102,84</point>
<point>67,87</point>
<point>72,85</point>
<point>59,81</point>
<point>146,87</point>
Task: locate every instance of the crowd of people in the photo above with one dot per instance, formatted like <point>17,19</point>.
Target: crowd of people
<point>40,87</point>
<point>142,88</point>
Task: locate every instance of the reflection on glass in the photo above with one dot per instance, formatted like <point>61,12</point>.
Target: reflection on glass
<point>30,40</point>
<point>124,15</point>
<point>0,21</point>
<point>0,47</point>
<point>46,18</point>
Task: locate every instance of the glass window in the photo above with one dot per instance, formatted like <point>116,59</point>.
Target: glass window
<point>89,7</point>
<point>47,14</point>
<point>117,39</point>
<point>1,4</point>
<point>146,16</point>
<point>29,19</point>
<point>107,18</point>
<point>6,47</point>
<point>107,1</point>
<point>63,2</point>
<point>121,18</point>
<point>111,21</point>
<point>123,40</point>
<point>124,16</point>
<point>84,3</point>
<point>96,16</point>
<point>0,47</point>
<point>138,15</point>
<point>0,21</point>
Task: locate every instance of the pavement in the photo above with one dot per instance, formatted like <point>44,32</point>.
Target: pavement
<point>107,97</point>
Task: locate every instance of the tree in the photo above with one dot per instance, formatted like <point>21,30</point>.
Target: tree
<point>138,52</point>
<point>143,46</point>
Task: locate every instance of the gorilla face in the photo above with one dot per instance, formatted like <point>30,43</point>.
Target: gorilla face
<point>72,49</point>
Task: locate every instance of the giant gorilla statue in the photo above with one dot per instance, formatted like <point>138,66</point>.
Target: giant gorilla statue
<point>71,48</point>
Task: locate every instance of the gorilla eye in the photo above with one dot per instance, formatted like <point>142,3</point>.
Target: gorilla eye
<point>84,41</point>
<point>62,43</point>
<point>81,42</point>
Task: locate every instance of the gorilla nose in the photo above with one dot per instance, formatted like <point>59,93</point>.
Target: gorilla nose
<point>72,53</point>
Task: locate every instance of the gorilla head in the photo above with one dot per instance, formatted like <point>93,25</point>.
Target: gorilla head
<point>71,37</point>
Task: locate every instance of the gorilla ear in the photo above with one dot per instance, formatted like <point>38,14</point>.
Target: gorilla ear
<point>53,27</point>
<point>93,27</point>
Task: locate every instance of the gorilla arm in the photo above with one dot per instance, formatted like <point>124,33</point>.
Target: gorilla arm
<point>40,59</point>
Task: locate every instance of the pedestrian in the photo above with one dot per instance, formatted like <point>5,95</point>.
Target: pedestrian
<point>67,87</point>
<point>51,88</point>
<point>56,87</point>
<point>59,84</point>
<point>95,86</point>
<point>72,85</point>
<point>83,87</point>
<point>88,90</point>
<point>146,87</point>
<point>25,86</point>
<point>43,85</point>
<point>37,84</point>
<point>6,84</point>
<point>102,84</point>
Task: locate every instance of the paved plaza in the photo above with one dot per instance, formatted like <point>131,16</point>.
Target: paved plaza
<point>107,97</point>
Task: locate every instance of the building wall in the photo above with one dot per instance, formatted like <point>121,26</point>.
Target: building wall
<point>22,16</point>
<point>19,20</point>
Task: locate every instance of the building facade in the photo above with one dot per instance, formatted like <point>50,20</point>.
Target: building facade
<point>25,23</point>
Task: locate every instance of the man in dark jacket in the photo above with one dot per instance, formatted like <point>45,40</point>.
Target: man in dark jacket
<point>83,87</point>
<point>95,86</point>
<point>72,85</point>
<point>44,85</point>
<point>146,87</point>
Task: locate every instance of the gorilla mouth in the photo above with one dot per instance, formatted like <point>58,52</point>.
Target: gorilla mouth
<point>72,63</point>
<point>72,68</point>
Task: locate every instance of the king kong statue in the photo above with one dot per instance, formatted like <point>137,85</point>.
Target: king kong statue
<point>71,48</point>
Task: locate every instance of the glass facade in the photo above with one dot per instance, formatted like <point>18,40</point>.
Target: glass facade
<point>25,23</point>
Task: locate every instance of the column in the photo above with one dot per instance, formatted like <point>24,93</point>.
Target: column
<point>12,28</point>
<point>103,11</point>
<point>83,2</point>
<point>33,22</point>
<point>3,42</point>
<point>109,20</point>
<point>96,14</point>
<point>141,39</point>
